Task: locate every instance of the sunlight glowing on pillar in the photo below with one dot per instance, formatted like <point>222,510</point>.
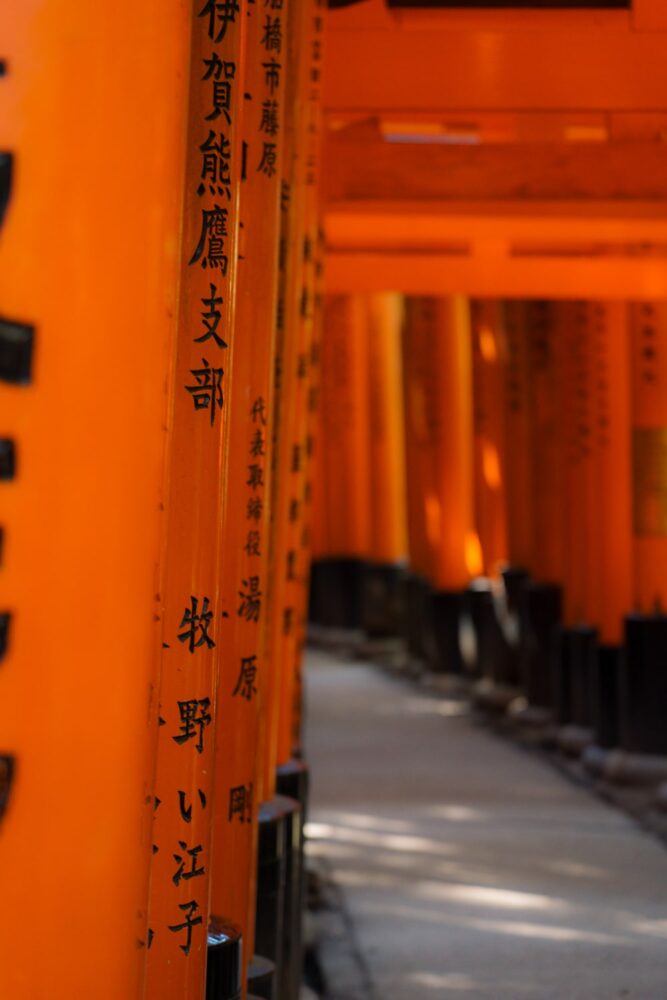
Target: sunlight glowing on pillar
<point>487,344</point>
<point>491,466</point>
<point>433,518</point>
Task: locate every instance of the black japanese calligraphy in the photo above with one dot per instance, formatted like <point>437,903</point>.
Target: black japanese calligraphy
<point>189,909</point>
<point>251,599</point>
<point>220,14</point>
<point>211,319</point>
<point>187,863</point>
<point>194,717</point>
<point>207,391</point>
<point>196,632</point>
<point>240,803</point>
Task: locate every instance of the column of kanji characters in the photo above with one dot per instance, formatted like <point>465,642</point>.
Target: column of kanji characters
<point>193,611</point>
<point>245,534</point>
<point>291,235</point>
<point>299,376</point>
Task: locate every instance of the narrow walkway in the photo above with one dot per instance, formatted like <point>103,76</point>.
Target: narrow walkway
<point>468,867</point>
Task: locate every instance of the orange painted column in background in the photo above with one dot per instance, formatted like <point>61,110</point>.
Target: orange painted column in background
<point>414,340</point>
<point>388,524</point>
<point>648,322</point>
<point>89,260</point>
<point>518,438</point>
<point>345,420</point>
<point>301,313</point>
<point>489,350</point>
<point>613,494</point>
<point>192,608</point>
<point>546,367</point>
<point>580,496</point>
<point>518,435</point>
<point>245,541</point>
<point>446,387</point>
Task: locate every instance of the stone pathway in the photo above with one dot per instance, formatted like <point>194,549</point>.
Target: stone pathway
<point>465,867</point>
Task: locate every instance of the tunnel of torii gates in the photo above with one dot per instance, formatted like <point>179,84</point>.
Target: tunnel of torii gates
<point>477,199</point>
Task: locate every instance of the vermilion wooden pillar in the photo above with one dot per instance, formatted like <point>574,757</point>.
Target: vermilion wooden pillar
<point>445,409</point>
<point>88,282</point>
<point>280,620</point>
<point>191,600</point>
<point>612,509</point>
<point>541,599</point>
<point>643,687</point>
<point>518,431</point>
<point>297,416</point>
<point>546,366</point>
<point>574,328</point>
<point>241,702</point>
<point>575,643</point>
<point>417,589</point>
<point>388,527</point>
<point>613,500</point>
<point>345,445</point>
<point>489,363</point>
<point>649,446</point>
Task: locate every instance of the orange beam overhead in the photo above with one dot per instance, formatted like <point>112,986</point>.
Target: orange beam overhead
<point>436,273</point>
<point>509,60</point>
<point>553,249</point>
<point>434,225</point>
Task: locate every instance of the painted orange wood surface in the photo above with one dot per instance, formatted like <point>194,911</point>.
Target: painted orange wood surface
<point>90,257</point>
<point>613,500</point>
<point>414,341</point>
<point>192,607</point>
<point>489,351</point>
<point>445,398</point>
<point>245,536</point>
<point>649,445</point>
<point>518,430</point>
<point>547,484</point>
<point>281,616</point>
<point>388,527</point>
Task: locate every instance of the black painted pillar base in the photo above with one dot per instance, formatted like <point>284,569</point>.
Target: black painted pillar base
<point>447,609</point>
<point>261,978</point>
<point>604,697</point>
<point>292,780</point>
<point>383,611</point>
<point>492,654</point>
<point>289,964</point>
<point>574,659</point>
<point>274,829</point>
<point>514,580</point>
<point>540,613</point>
<point>224,961</point>
<point>418,620</point>
<point>337,588</point>
<point>643,685</point>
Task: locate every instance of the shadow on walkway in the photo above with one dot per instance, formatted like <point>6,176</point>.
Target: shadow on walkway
<point>466,867</point>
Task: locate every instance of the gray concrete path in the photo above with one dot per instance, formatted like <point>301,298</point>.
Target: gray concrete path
<point>469,868</point>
